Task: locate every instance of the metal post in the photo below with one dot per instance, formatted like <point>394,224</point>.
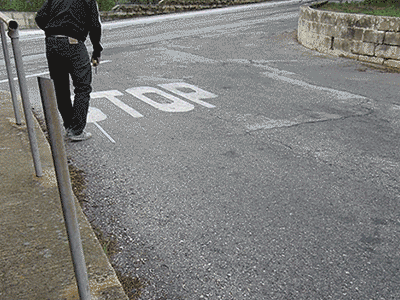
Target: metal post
<point>47,94</point>
<point>14,35</point>
<point>9,73</point>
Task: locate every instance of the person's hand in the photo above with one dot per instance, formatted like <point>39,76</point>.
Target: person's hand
<point>96,58</point>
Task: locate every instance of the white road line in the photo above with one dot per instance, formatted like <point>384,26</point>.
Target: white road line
<point>274,74</point>
<point>302,119</point>
<point>261,64</point>
<point>96,115</point>
<point>275,70</point>
<point>340,94</point>
<point>104,132</point>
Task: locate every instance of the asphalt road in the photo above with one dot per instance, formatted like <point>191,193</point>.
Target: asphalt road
<point>230,162</point>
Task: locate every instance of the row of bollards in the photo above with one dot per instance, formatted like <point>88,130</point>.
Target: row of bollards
<point>13,33</point>
<point>48,97</point>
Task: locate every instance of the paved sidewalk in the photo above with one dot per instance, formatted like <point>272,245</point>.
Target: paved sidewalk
<point>35,262</point>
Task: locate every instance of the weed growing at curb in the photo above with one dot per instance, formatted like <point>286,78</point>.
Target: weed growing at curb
<point>133,287</point>
<point>78,182</point>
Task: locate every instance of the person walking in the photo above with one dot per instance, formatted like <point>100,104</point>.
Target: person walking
<point>67,23</point>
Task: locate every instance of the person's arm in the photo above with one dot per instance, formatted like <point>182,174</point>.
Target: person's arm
<point>42,16</point>
<point>95,30</point>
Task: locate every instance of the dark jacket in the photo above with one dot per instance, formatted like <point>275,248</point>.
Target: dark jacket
<point>73,18</point>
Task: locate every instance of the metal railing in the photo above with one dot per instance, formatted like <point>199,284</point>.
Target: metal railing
<point>13,32</point>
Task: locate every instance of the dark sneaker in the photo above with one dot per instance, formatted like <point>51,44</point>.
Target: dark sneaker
<point>79,137</point>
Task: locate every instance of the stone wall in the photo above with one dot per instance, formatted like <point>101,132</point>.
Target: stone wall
<point>368,38</point>
<point>24,19</point>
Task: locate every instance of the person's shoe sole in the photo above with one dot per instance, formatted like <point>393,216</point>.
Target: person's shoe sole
<point>81,137</point>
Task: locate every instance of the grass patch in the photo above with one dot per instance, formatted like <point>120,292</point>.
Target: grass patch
<point>367,7</point>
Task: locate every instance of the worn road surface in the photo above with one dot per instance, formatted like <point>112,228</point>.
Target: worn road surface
<point>230,162</point>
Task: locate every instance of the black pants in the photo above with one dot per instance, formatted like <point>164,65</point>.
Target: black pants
<point>64,60</point>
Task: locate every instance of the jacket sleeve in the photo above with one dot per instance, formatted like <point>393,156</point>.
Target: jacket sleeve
<point>42,16</point>
<point>95,26</point>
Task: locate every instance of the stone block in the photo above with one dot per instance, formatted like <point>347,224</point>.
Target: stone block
<point>388,24</point>
<point>301,25</point>
<point>305,13</point>
<point>305,26</point>
<point>373,36</point>
<point>351,33</point>
<point>314,16</point>
<point>363,48</point>
<point>314,41</point>
<point>352,56</point>
<point>392,38</point>
<point>371,59</point>
<point>341,53</point>
<point>392,63</point>
<point>315,27</point>
<point>365,21</point>
<point>306,38</point>
<point>355,20</point>
<point>329,30</point>
<point>327,17</point>
<point>342,44</point>
<point>347,20</point>
<point>324,43</point>
<point>386,51</point>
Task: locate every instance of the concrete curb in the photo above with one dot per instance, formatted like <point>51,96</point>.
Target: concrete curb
<point>134,11</point>
<point>373,39</point>
<point>35,260</point>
